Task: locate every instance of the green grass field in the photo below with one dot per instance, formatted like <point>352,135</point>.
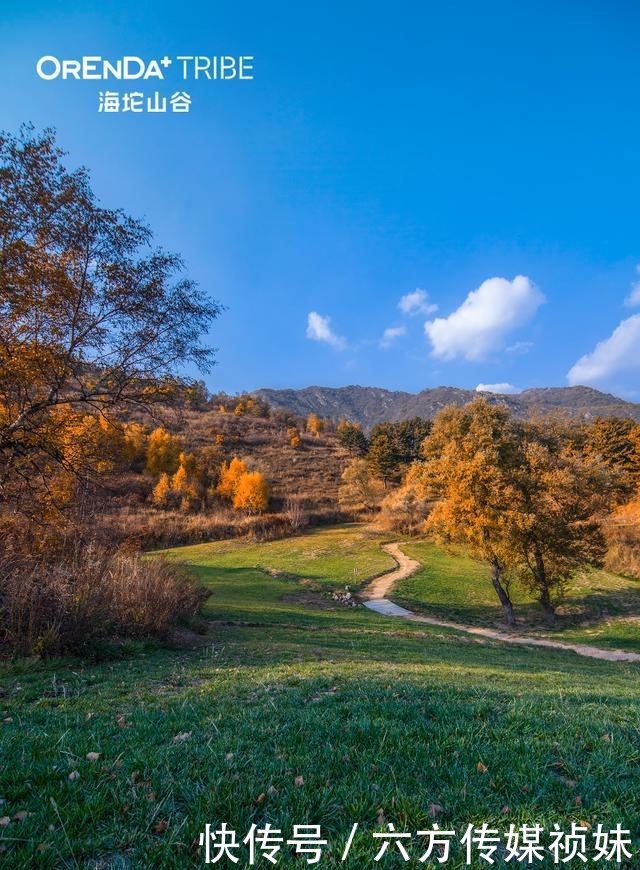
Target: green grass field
<point>309,714</point>
<point>598,608</point>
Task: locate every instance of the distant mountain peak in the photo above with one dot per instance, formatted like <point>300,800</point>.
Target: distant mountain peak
<point>371,405</point>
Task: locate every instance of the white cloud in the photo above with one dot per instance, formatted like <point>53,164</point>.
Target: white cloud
<point>480,325</point>
<point>390,335</point>
<point>633,298</point>
<point>319,329</point>
<point>615,355</point>
<point>417,303</point>
<point>506,389</point>
<point>519,347</point>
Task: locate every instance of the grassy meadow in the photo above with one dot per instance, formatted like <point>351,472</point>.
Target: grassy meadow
<point>292,709</point>
<point>597,607</point>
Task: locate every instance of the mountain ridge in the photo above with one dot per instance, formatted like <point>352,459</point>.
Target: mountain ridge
<point>371,405</point>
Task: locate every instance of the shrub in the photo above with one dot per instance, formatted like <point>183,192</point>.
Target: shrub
<point>72,604</point>
<point>294,509</point>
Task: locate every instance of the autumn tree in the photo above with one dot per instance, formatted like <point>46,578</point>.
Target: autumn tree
<point>360,490</point>
<point>251,493</point>
<point>230,474</point>
<point>92,319</point>
<point>521,500</point>
<point>163,452</point>
<point>253,406</point>
<point>293,437</point>
<point>315,424</point>
<point>623,538</point>
<point>162,491</point>
<point>188,481</point>
<point>135,445</point>
<point>196,395</point>
<point>406,508</point>
<point>469,456</point>
<point>554,522</point>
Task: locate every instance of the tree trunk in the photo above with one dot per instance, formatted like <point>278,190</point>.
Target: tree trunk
<point>546,603</point>
<point>541,579</point>
<point>502,594</point>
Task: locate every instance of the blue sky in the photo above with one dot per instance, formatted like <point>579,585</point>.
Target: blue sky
<point>484,154</point>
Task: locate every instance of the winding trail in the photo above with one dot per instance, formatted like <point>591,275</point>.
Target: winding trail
<point>374,596</point>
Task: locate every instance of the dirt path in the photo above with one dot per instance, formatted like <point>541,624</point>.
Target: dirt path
<point>374,597</point>
<point>382,585</point>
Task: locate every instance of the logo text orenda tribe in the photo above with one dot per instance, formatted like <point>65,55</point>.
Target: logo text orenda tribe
<point>95,67</point>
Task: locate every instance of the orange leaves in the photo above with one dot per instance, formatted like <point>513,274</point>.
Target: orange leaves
<point>161,490</point>
<point>230,474</point>
<point>293,436</point>
<point>163,452</point>
<point>315,425</point>
<point>247,490</point>
<point>252,493</point>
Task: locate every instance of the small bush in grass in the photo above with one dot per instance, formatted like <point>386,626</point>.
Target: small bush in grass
<point>72,606</point>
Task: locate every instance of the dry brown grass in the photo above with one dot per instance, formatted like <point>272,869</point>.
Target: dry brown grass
<point>623,539</point>
<point>623,553</point>
<point>71,604</point>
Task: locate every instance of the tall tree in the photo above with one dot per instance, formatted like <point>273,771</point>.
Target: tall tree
<point>554,528</point>
<point>518,496</point>
<point>92,318</point>
<point>469,457</point>
<point>383,458</point>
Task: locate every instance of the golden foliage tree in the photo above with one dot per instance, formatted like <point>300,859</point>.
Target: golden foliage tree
<point>187,481</point>
<point>251,493</point>
<point>163,452</point>
<point>162,491</point>
<point>293,436</point>
<point>135,445</point>
<point>469,455</point>
<point>315,424</point>
<point>230,474</point>
<point>518,498</point>
<point>93,319</point>
<point>404,509</point>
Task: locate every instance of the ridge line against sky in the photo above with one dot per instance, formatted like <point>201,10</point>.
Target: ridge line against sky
<point>483,323</point>
<point>408,196</point>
